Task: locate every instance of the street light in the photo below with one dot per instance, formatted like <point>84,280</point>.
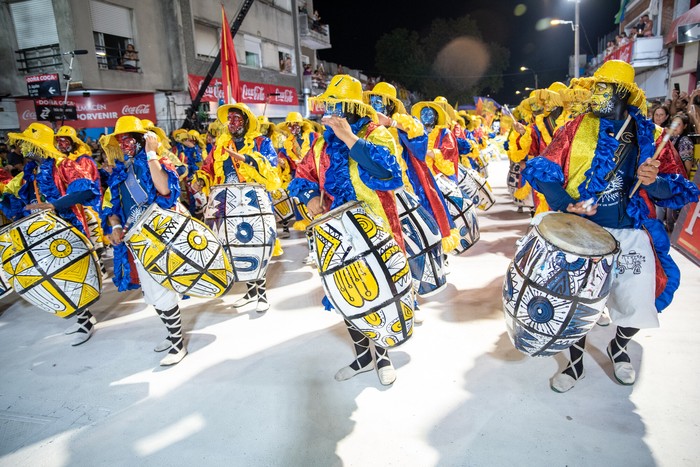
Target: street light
<point>575,27</point>
<point>524,68</point>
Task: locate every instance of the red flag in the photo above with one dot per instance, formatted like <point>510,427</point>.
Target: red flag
<point>229,65</point>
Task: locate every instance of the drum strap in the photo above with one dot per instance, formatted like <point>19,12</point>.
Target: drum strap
<point>134,188</point>
<point>626,139</point>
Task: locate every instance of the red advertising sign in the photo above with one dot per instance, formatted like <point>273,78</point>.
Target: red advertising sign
<point>96,111</point>
<point>623,53</point>
<point>686,235</point>
<point>251,93</point>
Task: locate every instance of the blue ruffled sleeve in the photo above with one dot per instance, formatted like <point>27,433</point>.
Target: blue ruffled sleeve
<point>672,191</point>
<point>540,169</point>
<point>303,189</point>
<point>417,146</point>
<point>84,184</point>
<point>169,201</point>
<point>463,146</point>
<point>378,168</point>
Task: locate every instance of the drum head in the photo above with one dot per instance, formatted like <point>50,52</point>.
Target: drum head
<point>574,234</point>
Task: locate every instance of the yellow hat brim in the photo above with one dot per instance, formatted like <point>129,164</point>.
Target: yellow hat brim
<point>418,106</point>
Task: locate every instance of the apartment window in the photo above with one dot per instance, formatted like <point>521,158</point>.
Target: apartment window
<point>38,46</point>
<point>206,40</point>
<point>114,37</point>
<point>287,62</point>
<point>252,52</point>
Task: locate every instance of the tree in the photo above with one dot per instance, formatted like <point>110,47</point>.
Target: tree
<point>450,60</point>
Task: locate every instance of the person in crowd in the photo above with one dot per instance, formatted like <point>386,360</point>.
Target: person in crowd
<point>130,58</point>
<point>660,115</point>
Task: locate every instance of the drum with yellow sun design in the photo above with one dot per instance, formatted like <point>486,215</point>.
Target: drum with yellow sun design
<point>365,274</point>
<point>180,253</point>
<point>49,263</point>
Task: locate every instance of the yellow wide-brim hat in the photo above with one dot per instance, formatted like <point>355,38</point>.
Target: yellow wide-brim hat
<point>263,123</point>
<point>619,73</point>
<point>442,102</point>
<point>292,118</point>
<point>215,128</point>
<point>125,124</point>
<point>37,138</point>
<point>347,91</point>
<point>388,94</point>
<point>180,135</point>
<point>222,115</point>
<point>547,97</point>
<point>160,133</point>
<point>418,106</point>
<point>69,132</point>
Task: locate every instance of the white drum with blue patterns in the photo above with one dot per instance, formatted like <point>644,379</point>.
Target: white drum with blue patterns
<point>423,242</point>
<point>476,187</point>
<point>241,216</point>
<point>557,284</point>
<point>462,211</point>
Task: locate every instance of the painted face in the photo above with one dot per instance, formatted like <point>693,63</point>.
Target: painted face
<point>377,103</point>
<point>64,144</point>
<point>236,123</point>
<point>334,110</point>
<point>128,144</point>
<point>536,108</point>
<point>604,99</point>
<point>295,129</point>
<point>428,116</point>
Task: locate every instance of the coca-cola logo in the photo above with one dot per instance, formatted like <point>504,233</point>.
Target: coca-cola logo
<point>255,93</point>
<point>29,115</point>
<point>286,95</point>
<point>215,90</point>
<point>141,109</point>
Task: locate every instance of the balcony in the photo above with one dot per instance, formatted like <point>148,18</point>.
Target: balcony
<point>43,59</point>
<point>643,53</point>
<point>313,35</point>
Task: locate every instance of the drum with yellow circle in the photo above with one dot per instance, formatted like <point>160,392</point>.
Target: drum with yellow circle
<point>283,206</point>
<point>365,274</point>
<point>50,263</point>
<point>180,253</point>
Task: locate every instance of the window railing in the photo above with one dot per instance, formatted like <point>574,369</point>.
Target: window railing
<point>308,26</point>
<point>117,58</point>
<point>42,58</point>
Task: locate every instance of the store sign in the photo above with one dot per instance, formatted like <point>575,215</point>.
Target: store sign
<point>46,85</point>
<point>52,110</point>
<point>686,235</point>
<point>251,93</point>
<point>93,111</point>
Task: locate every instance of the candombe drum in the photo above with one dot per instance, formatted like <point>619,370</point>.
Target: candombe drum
<point>514,184</point>
<point>475,187</point>
<point>423,243</point>
<point>241,216</point>
<point>557,284</point>
<point>180,253</point>
<point>50,263</point>
<point>5,287</point>
<point>365,274</point>
<point>462,211</point>
<point>283,206</point>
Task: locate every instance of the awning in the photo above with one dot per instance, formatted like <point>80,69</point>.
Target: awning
<point>689,17</point>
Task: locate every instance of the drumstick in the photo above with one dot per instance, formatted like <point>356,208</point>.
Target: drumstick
<point>660,148</point>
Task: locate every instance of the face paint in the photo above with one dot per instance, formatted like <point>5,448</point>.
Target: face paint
<point>127,144</point>
<point>607,101</point>
<point>295,129</point>
<point>64,144</point>
<point>428,116</point>
<point>377,103</point>
<point>236,124</point>
<point>334,110</point>
<point>536,108</point>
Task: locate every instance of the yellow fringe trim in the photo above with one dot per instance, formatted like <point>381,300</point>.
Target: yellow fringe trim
<point>301,225</point>
<point>451,242</point>
<point>348,106</point>
<point>277,249</point>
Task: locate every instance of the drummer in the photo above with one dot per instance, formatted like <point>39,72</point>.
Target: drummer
<point>443,152</point>
<point>242,155</point>
<point>597,183</point>
<point>140,177</point>
<point>52,181</point>
<point>355,159</point>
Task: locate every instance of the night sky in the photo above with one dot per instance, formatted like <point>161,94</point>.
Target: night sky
<point>355,30</point>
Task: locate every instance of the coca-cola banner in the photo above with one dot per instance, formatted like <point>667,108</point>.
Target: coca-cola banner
<point>96,111</point>
<point>251,93</point>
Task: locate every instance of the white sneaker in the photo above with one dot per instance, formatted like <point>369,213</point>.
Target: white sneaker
<point>623,371</point>
<point>604,319</point>
<point>387,375</point>
<point>417,316</point>
<point>82,337</point>
<point>244,301</point>
<point>163,346</point>
<point>563,382</point>
<point>310,260</point>
<point>173,358</point>
<point>262,307</point>
<point>348,372</point>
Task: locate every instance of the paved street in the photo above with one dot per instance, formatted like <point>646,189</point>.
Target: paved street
<point>259,390</point>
